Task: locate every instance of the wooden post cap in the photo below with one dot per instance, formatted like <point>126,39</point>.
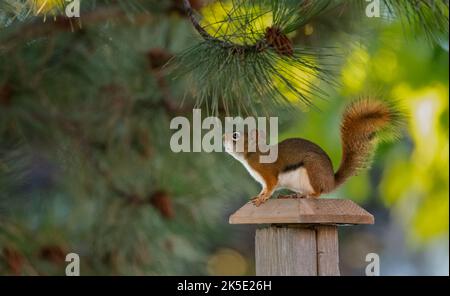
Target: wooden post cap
<point>302,211</point>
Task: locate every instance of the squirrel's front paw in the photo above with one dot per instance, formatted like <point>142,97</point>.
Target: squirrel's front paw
<point>259,200</point>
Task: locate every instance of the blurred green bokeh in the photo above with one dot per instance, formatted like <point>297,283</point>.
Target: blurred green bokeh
<point>414,171</point>
<point>100,82</point>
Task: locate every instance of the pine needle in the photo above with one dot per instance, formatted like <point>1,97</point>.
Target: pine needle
<point>241,65</point>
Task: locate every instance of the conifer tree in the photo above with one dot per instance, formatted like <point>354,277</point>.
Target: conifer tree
<point>86,103</point>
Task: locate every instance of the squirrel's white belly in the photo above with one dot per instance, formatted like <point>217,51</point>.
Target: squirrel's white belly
<point>296,180</point>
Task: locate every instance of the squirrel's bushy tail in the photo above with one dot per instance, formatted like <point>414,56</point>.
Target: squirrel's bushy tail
<point>364,123</point>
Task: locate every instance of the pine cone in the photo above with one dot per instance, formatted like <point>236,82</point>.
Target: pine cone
<point>5,95</point>
<point>278,40</point>
<point>14,259</point>
<point>158,57</point>
<point>163,203</point>
<point>142,144</point>
<point>53,253</point>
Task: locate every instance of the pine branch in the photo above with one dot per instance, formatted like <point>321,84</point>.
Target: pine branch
<point>430,17</point>
<point>247,64</point>
<point>38,28</point>
<point>207,37</point>
<point>190,13</point>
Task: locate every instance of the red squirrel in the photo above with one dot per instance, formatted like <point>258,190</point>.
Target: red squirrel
<point>304,167</point>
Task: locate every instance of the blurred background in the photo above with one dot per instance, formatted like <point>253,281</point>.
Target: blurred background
<point>86,167</point>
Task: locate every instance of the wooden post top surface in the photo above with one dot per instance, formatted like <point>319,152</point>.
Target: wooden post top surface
<point>302,211</point>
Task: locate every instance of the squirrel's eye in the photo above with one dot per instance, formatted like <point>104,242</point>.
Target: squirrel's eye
<point>236,135</point>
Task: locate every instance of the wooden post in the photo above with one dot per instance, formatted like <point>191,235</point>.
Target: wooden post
<point>299,236</point>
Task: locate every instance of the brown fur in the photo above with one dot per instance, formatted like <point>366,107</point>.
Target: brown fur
<point>361,123</point>
<point>315,161</point>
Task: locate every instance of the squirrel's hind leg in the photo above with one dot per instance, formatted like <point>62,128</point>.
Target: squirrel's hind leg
<point>320,176</point>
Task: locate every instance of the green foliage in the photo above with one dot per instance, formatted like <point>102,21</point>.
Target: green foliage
<point>84,150</point>
<point>415,179</point>
<point>85,107</point>
<point>235,45</point>
<point>234,68</point>
<point>251,81</point>
<point>427,17</point>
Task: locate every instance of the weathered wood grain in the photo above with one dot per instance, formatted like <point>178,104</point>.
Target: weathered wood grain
<point>327,250</point>
<point>302,237</point>
<point>285,251</point>
<point>306,211</point>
